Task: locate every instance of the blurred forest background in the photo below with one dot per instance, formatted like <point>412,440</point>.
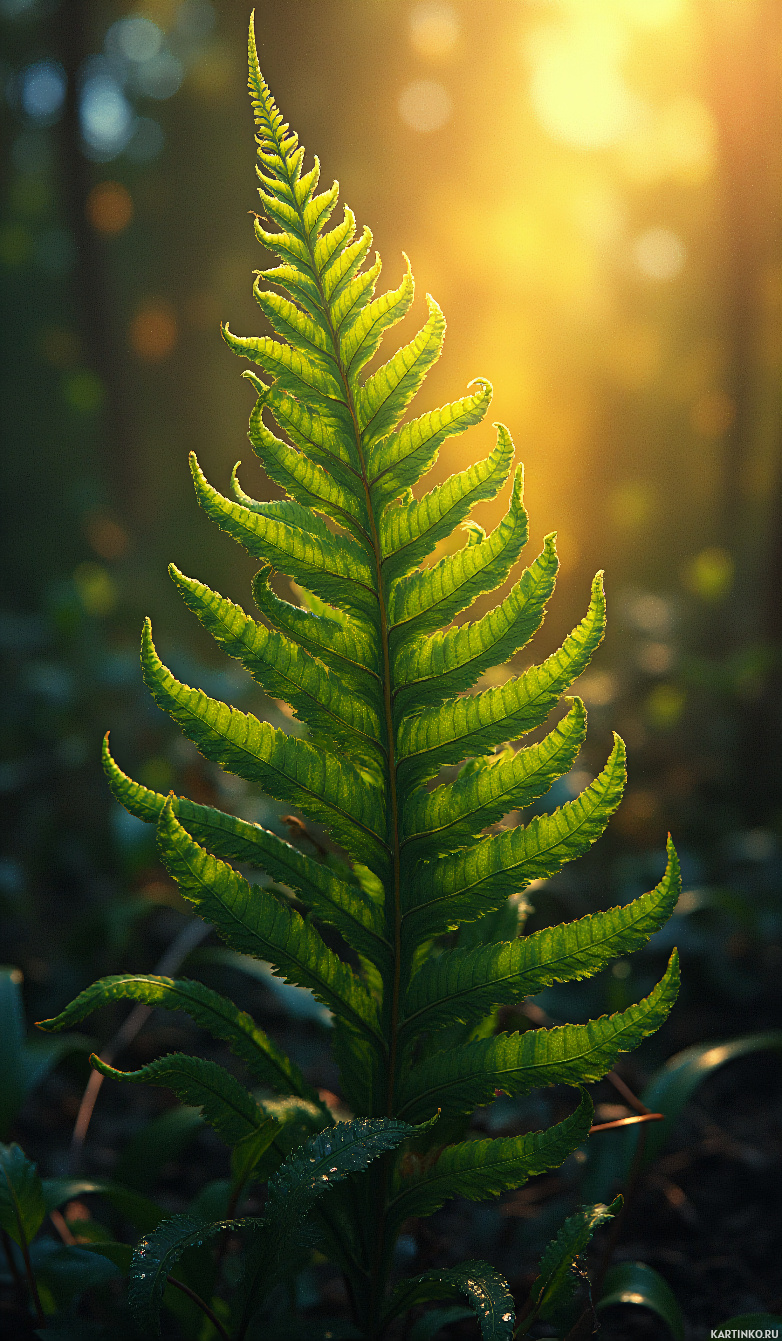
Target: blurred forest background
<point>591,189</point>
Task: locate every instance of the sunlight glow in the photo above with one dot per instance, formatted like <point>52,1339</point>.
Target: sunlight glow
<point>659,253</point>
<point>425,105</point>
<point>577,87</point>
<point>434,29</point>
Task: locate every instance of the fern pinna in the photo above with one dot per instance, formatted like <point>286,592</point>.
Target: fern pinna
<point>423,899</point>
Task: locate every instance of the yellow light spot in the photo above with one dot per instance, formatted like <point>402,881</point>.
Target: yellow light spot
<point>425,105</point>
<point>709,574</point>
<point>577,87</point>
<point>630,505</point>
<point>659,253</point>
<point>653,13</point>
<point>97,591</point>
<point>664,706</point>
<point>153,331</point>
<point>434,29</point>
<point>597,689</point>
<point>109,208</point>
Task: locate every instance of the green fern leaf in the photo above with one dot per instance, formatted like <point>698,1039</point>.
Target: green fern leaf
<point>467,885</point>
<point>467,984</point>
<point>265,1061</point>
<point>425,600</point>
<point>288,672</point>
<point>401,458</point>
<point>476,723</point>
<point>344,906</point>
<point>226,1105</point>
<point>336,568</point>
<point>468,1076</point>
<point>486,1290</point>
<point>340,643</point>
<point>252,920</point>
<point>479,1170</point>
<point>410,531</point>
<point>367,655</point>
<point>383,398</point>
<point>447,818</point>
<point>326,788</point>
<point>431,669</point>
<point>555,1283</point>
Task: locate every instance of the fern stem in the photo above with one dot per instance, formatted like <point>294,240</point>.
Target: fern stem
<point>200,1303</point>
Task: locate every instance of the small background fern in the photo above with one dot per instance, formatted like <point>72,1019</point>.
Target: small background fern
<point>420,891</point>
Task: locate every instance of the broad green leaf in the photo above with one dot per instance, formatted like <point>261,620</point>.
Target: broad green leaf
<point>636,1283</point>
<point>266,1062</point>
<point>226,1105</point>
<point>479,1170</point>
<point>669,1092</point>
<point>22,1207</point>
<point>70,1269</point>
<point>254,922</point>
<point>476,723</point>
<point>466,1077</point>
<point>467,984</point>
<point>555,1284</point>
<point>325,787</point>
<point>674,1085</point>
<point>486,1290</point>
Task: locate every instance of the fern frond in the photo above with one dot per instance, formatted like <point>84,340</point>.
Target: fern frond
<point>287,671</point>
<point>252,920</point>
<point>467,1077</point>
<point>478,1169</point>
<point>432,669</point>
<point>425,600</point>
<point>344,906</point>
<point>467,984</point>
<point>340,643</point>
<point>468,884</point>
<point>447,818</point>
<point>337,569</point>
<point>225,1103</point>
<point>476,723</point>
<point>265,1061</point>
<point>326,788</point>
<point>411,530</point>
<point>398,461</point>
